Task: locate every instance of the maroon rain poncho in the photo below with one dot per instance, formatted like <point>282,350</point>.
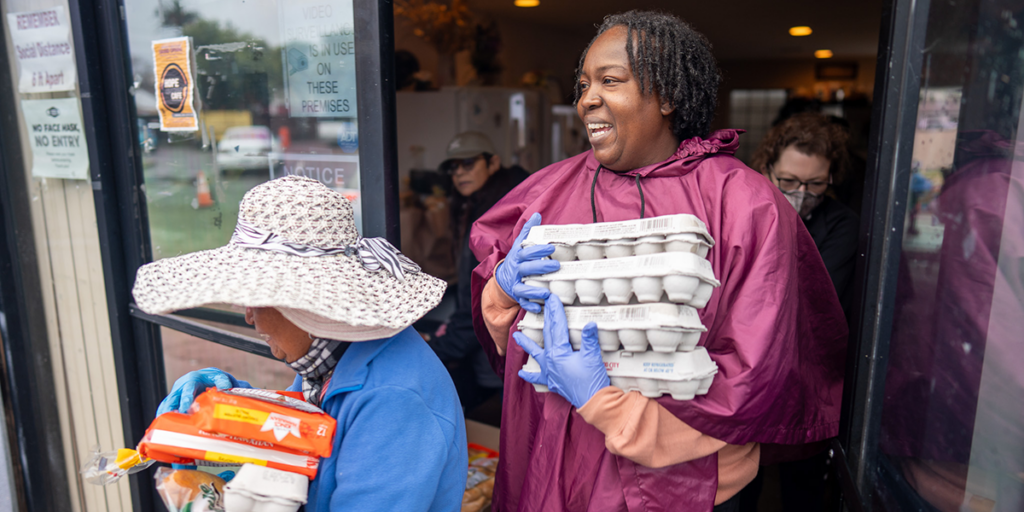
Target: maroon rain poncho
<point>775,329</point>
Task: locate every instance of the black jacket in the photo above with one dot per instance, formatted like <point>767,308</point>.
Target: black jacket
<point>459,341</point>
<point>834,227</point>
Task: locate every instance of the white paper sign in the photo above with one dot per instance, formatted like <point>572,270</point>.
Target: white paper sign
<point>57,140</point>
<point>319,57</point>
<point>44,50</point>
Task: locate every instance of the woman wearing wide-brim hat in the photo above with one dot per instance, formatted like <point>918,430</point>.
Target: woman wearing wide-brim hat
<point>338,309</point>
<point>646,89</point>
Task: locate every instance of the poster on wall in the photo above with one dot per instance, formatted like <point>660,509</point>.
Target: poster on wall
<point>175,100</point>
<point>319,57</point>
<point>57,140</point>
<point>43,48</point>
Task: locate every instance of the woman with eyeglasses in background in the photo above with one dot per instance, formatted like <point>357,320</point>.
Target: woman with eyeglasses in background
<point>804,156</point>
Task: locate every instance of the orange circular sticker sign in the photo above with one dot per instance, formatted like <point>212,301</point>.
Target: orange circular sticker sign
<point>173,88</point>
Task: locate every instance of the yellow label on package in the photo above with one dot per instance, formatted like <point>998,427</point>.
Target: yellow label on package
<point>232,459</point>
<point>231,412</point>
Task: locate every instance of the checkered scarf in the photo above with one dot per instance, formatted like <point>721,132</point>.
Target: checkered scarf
<point>317,365</point>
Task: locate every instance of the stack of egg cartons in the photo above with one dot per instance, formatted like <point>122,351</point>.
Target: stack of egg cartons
<point>642,282</point>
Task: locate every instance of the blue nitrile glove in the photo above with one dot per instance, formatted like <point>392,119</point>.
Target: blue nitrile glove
<point>576,375</point>
<point>520,262</point>
<point>192,383</point>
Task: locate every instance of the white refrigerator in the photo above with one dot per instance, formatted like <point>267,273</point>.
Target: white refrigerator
<point>518,121</point>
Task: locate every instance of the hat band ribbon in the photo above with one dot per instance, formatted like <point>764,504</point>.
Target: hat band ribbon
<point>375,254</point>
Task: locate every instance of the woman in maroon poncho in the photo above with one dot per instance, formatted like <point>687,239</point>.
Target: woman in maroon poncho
<point>646,89</point>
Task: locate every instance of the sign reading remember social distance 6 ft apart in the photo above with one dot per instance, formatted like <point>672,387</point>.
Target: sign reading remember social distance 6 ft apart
<point>319,56</point>
<point>174,87</point>
<point>42,46</point>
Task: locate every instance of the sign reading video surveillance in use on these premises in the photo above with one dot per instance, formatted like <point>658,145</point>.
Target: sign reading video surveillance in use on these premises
<point>319,58</point>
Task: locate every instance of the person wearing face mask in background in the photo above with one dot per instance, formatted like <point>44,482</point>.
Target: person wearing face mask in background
<point>478,181</point>
<point>804,156</point>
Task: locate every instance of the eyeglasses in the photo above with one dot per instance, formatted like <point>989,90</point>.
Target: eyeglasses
<point>790,184</point>
<point>452,166</point>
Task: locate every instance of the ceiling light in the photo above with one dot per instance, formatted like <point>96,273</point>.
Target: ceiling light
<point>527,3</point>
<point>823,54</point>
<point>800,31</point>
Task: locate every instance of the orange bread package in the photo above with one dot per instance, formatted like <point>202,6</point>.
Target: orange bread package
<point>263,415</point>
<point>174,438</point>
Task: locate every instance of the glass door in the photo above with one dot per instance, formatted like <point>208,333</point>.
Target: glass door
<point>229,95</point>
<point>197,102</point>
<point>933,413</point>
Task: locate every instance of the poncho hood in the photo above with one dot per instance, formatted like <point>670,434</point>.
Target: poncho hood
<point>775,329</point>
<point>688,156</point>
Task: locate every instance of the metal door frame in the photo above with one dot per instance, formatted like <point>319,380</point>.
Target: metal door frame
<point>100,36</point>
<point>891,144</point>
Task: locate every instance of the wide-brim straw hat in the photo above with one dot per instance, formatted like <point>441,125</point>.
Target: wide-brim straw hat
<point>296,249</point>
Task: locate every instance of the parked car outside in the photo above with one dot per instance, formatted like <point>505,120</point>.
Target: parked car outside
<point>246,148</point>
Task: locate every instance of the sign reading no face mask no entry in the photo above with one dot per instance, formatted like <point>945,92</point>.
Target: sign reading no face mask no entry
<point>57,140</point>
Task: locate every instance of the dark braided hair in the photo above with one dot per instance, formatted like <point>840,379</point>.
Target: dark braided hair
<point>673,60</point>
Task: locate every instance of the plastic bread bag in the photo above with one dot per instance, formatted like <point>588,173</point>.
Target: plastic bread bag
<point>478,496</point>
<point>174,438</point>
<point>476,451</point>
<point>480,479</point>
<point>271,416</point>
<point>189,490</point>
<point>225,470</point>
<point>105,468</point>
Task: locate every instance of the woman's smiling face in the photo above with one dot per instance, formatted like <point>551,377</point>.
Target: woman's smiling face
<point>627,128</point>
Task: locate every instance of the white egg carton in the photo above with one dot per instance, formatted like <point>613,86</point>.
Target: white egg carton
<point>685,278</point>
<point>532,366</point>
<point>683,375</point>
<point>262,489</point>
<point>669,233</point>
<point>652,244</point>
<point>679,242</point>
<point>662,327</point>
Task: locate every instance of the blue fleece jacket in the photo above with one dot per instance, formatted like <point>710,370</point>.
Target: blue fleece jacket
<point>401,437</point>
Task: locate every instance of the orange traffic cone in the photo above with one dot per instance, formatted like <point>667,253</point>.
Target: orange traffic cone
<point>203,197</point>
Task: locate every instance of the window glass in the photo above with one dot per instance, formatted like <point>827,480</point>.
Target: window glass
<point>230,94</point>
<point>257,90</point>
<point>184,353</point>
<point>952,434</point>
